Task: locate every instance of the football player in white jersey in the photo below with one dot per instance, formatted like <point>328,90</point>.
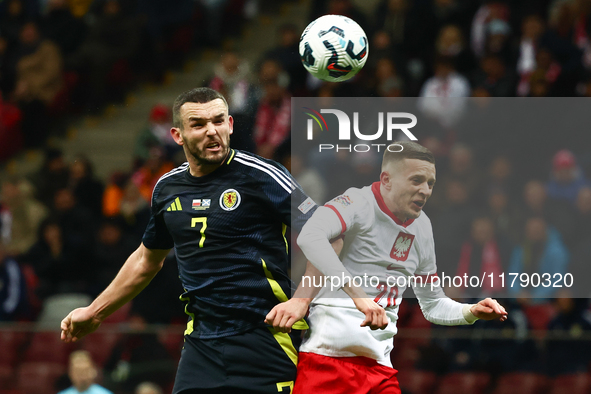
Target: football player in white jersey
<point>387,247</point>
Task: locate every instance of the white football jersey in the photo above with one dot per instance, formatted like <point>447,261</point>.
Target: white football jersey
<point>381,250</point>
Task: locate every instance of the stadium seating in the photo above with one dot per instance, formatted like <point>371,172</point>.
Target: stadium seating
<point>416,382</point>
<point>38,377</point>
<point>48,347</point>
<point>6,377</point>
<point>100,344</point>
<point>172,338</point>
<point>10,343</point>
<point>571,384</point>
<point>539,316</point>
<point>521,383</point>
<point>464,382</point>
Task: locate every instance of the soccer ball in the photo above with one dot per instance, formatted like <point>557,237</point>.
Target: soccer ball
<point>333,48</point>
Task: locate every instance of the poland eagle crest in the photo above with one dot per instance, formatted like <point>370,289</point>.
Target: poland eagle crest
<point>401,247</point>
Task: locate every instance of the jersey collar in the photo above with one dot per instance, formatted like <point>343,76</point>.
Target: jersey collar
<point>375,188</point>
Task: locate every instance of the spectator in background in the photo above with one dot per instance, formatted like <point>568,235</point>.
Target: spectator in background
<point>112,38</point>
<point>565,354</point>
<point>495,12</point>
<point>111,249</point>
<point>273,118</point>
<point>388,82</point>
<point>76,221</point>
<point>148,174</point>
<point>582,224</point>
<point>38,80</point>
<point>446,82</point>
<point>541,252</point>
<point>505,214</point>
<point>86,188</point>
<point>11,137</point>
<point>532,29</point>
<point>462,167</point>
<point>83,373</point>
<point>498,40</point>
<point>483,253</point>
<point>113,194</point>
<point>148,388</point>
<point>138,356</point>
<point>494,77</point>
<point>451,43</point>
<point>21,216</point>
<point>52,176</point>
<point>566,177</point>
<point>63,28</point>
<point>287,54</point>
<point>451,224</point>
<point>13,288</point>
<point>156,134</point>
<point>556,212</point>
<point>231,78</point>
<point>135,211</point>
<point>56,262</point>
<point>13,21</point>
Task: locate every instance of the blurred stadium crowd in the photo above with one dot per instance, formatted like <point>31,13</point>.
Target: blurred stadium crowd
<point>65,233</point>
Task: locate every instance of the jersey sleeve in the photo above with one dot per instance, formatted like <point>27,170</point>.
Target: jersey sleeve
<point>328,222</point>
<point>287,196</point>
<point>351,208</point>
<point>157,235</point>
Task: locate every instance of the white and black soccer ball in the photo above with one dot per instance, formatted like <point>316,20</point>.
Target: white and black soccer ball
<point>333,48</point>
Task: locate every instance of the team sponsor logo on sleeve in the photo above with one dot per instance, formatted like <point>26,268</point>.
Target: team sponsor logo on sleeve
<point>201,204</point>
<point>343,200</point>
<point>401,247</point>
<point>306,205</point>
<point>229,200</point>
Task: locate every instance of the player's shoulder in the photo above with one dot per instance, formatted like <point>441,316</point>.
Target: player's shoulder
<point>262,170</point>
<point>423,225</point>
<point>353,199</point>
<point>173,175</point>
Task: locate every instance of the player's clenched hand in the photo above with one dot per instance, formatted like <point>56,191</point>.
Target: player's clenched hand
<point>283,316</point>
<point>77,324</point>
<point>375,315</point>
<point>489,309</point>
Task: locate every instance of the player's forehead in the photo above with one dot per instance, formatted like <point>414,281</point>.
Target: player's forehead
<point>209,110</point>
<point>417,167</point>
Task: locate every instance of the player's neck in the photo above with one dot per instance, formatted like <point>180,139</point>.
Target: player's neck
<point>198,170</point>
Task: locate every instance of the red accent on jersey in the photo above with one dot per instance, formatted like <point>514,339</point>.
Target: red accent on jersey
<point>343,224</point>
<point>375,188</point>
<point>344,375</point>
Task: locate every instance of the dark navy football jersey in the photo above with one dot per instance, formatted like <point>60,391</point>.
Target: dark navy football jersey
<point>227,229</point>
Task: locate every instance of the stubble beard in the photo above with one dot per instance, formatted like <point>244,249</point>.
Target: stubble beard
<point>204,159</point>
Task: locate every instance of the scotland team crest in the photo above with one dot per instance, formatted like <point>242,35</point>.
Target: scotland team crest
<point>229,200</point>
<point>401,247</point>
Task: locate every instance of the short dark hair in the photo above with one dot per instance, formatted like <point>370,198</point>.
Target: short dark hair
<point>399,150</point>
<point>197,95</point>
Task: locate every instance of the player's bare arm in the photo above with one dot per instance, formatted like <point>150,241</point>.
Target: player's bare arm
<point>137,272</point>
<point>283,316</point>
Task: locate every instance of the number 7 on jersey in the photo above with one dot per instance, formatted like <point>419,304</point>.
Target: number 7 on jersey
<point>203,222</point>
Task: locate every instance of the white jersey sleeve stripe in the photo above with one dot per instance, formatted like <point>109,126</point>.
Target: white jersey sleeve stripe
<point>280,174</point>
<point>287,189</point>
<point>177,170</point>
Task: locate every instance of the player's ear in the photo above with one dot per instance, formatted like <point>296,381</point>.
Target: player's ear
<point>231,122</point>
<point>176,135</point>
<point>385,179</point>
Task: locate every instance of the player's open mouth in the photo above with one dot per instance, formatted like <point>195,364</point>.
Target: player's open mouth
<point>215,146</point>
<point>419,204</point>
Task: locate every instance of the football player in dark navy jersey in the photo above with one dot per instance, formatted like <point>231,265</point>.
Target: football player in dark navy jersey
<point>225,214</point>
